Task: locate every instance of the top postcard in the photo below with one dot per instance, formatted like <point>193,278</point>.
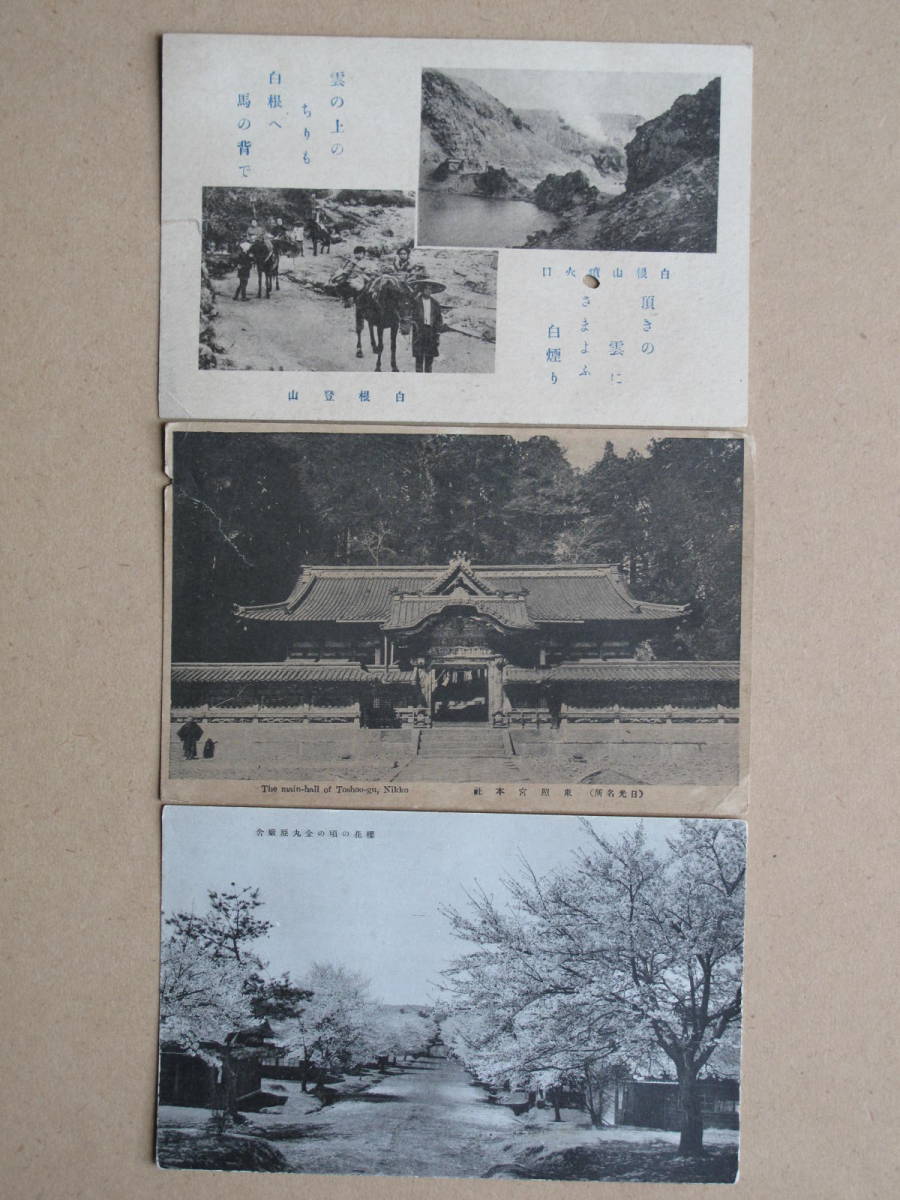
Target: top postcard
<point>554,232</point>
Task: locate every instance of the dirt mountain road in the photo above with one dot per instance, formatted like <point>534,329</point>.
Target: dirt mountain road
<point>299,329</point>
<point>430,1120</point>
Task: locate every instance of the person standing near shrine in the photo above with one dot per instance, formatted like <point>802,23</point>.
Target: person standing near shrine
<point>427,322</point>
<point>190,734</point>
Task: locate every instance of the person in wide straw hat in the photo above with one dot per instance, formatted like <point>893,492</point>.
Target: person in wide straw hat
<point>244,266</point>
<point>427,322</point>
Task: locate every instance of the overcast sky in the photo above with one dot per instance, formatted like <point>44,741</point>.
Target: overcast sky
<point>583,446</point>
<point>580,96</point>
<point>369,904</point>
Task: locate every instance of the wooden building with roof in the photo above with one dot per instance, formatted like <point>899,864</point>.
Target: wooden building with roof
<point>390,646</point>
<point>197,1080</point>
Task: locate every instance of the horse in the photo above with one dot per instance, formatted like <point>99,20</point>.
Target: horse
<point>284,244</point>
<point>383,303</point>
<point>317,233</point>
<point>265,255</point>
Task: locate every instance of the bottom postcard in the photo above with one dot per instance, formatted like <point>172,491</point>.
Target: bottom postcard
<point>451,994</point>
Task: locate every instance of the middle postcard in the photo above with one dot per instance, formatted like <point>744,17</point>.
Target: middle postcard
<point>531,619</point>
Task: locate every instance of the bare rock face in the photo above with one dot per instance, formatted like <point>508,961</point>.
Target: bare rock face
<point>610,161</point>
<point>558,193</point>
<point>676,213</point>
<point>688,131</point>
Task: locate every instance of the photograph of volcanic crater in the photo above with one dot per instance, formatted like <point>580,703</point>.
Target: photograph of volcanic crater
<point>570,160</point>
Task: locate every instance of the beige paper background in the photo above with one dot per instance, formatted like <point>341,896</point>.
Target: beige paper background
<point>83,597</point>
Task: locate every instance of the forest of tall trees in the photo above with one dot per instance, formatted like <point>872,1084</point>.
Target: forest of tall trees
<point>249,509</point>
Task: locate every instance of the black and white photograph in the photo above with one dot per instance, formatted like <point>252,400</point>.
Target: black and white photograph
<point>451,994</point>
<point>572,160</point>
<point>526,606</point>
<point>300,280</point>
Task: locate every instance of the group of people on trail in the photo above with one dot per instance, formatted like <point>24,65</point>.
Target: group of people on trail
<point>189,735</point>
<point>358,272</point>
<point>366,266</point>
<point>257,244</point>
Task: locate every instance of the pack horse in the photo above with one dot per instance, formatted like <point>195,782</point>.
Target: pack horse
<point>384,303</point>
<point>319,235</point>
<point>265,257</point>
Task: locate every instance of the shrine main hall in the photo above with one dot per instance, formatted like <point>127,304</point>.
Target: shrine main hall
<point>550,646</point>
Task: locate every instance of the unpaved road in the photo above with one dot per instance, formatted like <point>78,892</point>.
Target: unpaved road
<point>298,329</point>
<point>429,1120</point>
<point>689,754</point>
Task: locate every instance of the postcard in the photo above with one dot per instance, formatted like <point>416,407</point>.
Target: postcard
<point>451,994</point>
<point>551,232</point>
<point>519,615</point>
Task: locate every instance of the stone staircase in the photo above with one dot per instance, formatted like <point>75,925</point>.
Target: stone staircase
<point>464,741</point>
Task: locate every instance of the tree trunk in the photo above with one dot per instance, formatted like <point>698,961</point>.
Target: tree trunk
<point>557,1115</point>
<point>691,1141</point>
<point>229,1087</point>
<point>589,1101</point>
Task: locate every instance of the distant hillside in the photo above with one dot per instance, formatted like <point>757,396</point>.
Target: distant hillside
<point>618,128</point>
<point>472,143</point>
<point>606,157</point>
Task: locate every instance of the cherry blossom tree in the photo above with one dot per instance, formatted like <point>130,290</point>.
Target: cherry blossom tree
<point>210,986</point>
<point>528,1012</point>
<point>336,1027</point>
<point>670,933</point>
<point>397,1032</point>
<point>628,953</point>
<point>202,999</point>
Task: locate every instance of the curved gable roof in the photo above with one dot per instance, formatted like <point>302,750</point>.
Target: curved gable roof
<point>548,593</point>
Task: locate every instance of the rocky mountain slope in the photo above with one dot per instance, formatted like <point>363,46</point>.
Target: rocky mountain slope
<point>469,137</point>
<point>671,189</point>
<point>676,213</point>
<point>687,132</point>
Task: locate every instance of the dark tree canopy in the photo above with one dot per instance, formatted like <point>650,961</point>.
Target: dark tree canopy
<point>250,509</point>
<point>227,212</point>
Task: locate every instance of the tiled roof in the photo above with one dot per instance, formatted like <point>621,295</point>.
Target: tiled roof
<point>677,671</point>
<point>552,593</point>
<point>586,597</point>
<point>408,611</point>
<point>287,672</point>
